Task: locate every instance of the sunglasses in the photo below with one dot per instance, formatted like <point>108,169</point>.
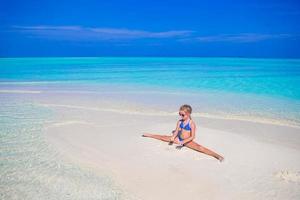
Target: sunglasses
<point>182,115</point>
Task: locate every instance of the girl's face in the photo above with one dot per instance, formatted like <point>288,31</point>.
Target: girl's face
<point>184,115</point>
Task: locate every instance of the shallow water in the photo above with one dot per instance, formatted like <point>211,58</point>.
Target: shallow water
<point>220,86</point>
<point>276,77</point>
<point>32,169</point>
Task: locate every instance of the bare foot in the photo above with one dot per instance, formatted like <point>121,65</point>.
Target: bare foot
<point>146,135</point>
<point>221,159</point>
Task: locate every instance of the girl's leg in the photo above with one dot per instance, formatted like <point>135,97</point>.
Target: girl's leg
<point>193,145</point>
<point>165,138</point>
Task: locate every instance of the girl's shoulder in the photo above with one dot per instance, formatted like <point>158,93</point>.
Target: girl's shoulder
<point>191,122</point>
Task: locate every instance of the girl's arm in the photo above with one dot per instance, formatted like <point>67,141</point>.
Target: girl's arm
<point>175,133</point>
<point>193,131</point>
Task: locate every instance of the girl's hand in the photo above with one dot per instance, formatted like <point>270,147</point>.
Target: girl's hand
<point>172,139</point>
<point>180,143</point>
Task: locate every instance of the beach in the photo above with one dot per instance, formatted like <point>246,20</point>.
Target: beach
<point>89,133</point>
<point>85,142</point>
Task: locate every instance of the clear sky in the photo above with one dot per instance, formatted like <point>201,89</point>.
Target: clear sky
<point>256,28</point>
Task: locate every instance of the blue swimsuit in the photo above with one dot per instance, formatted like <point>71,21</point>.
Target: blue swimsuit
<point>186,127</point>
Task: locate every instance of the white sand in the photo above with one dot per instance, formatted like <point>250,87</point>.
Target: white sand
<point>261,161</point>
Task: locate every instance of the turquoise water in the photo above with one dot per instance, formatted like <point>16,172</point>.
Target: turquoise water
<point>234,86</point>
<point>271,77</point>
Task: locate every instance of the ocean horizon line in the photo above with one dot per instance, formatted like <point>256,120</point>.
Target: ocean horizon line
<point>217,57</point>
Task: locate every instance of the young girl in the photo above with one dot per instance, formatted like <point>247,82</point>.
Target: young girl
<point>185,133</point>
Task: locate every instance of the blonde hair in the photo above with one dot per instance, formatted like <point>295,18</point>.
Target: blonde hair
<point>186,108</point>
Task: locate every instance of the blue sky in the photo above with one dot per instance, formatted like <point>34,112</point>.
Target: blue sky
<point>150,28</point>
